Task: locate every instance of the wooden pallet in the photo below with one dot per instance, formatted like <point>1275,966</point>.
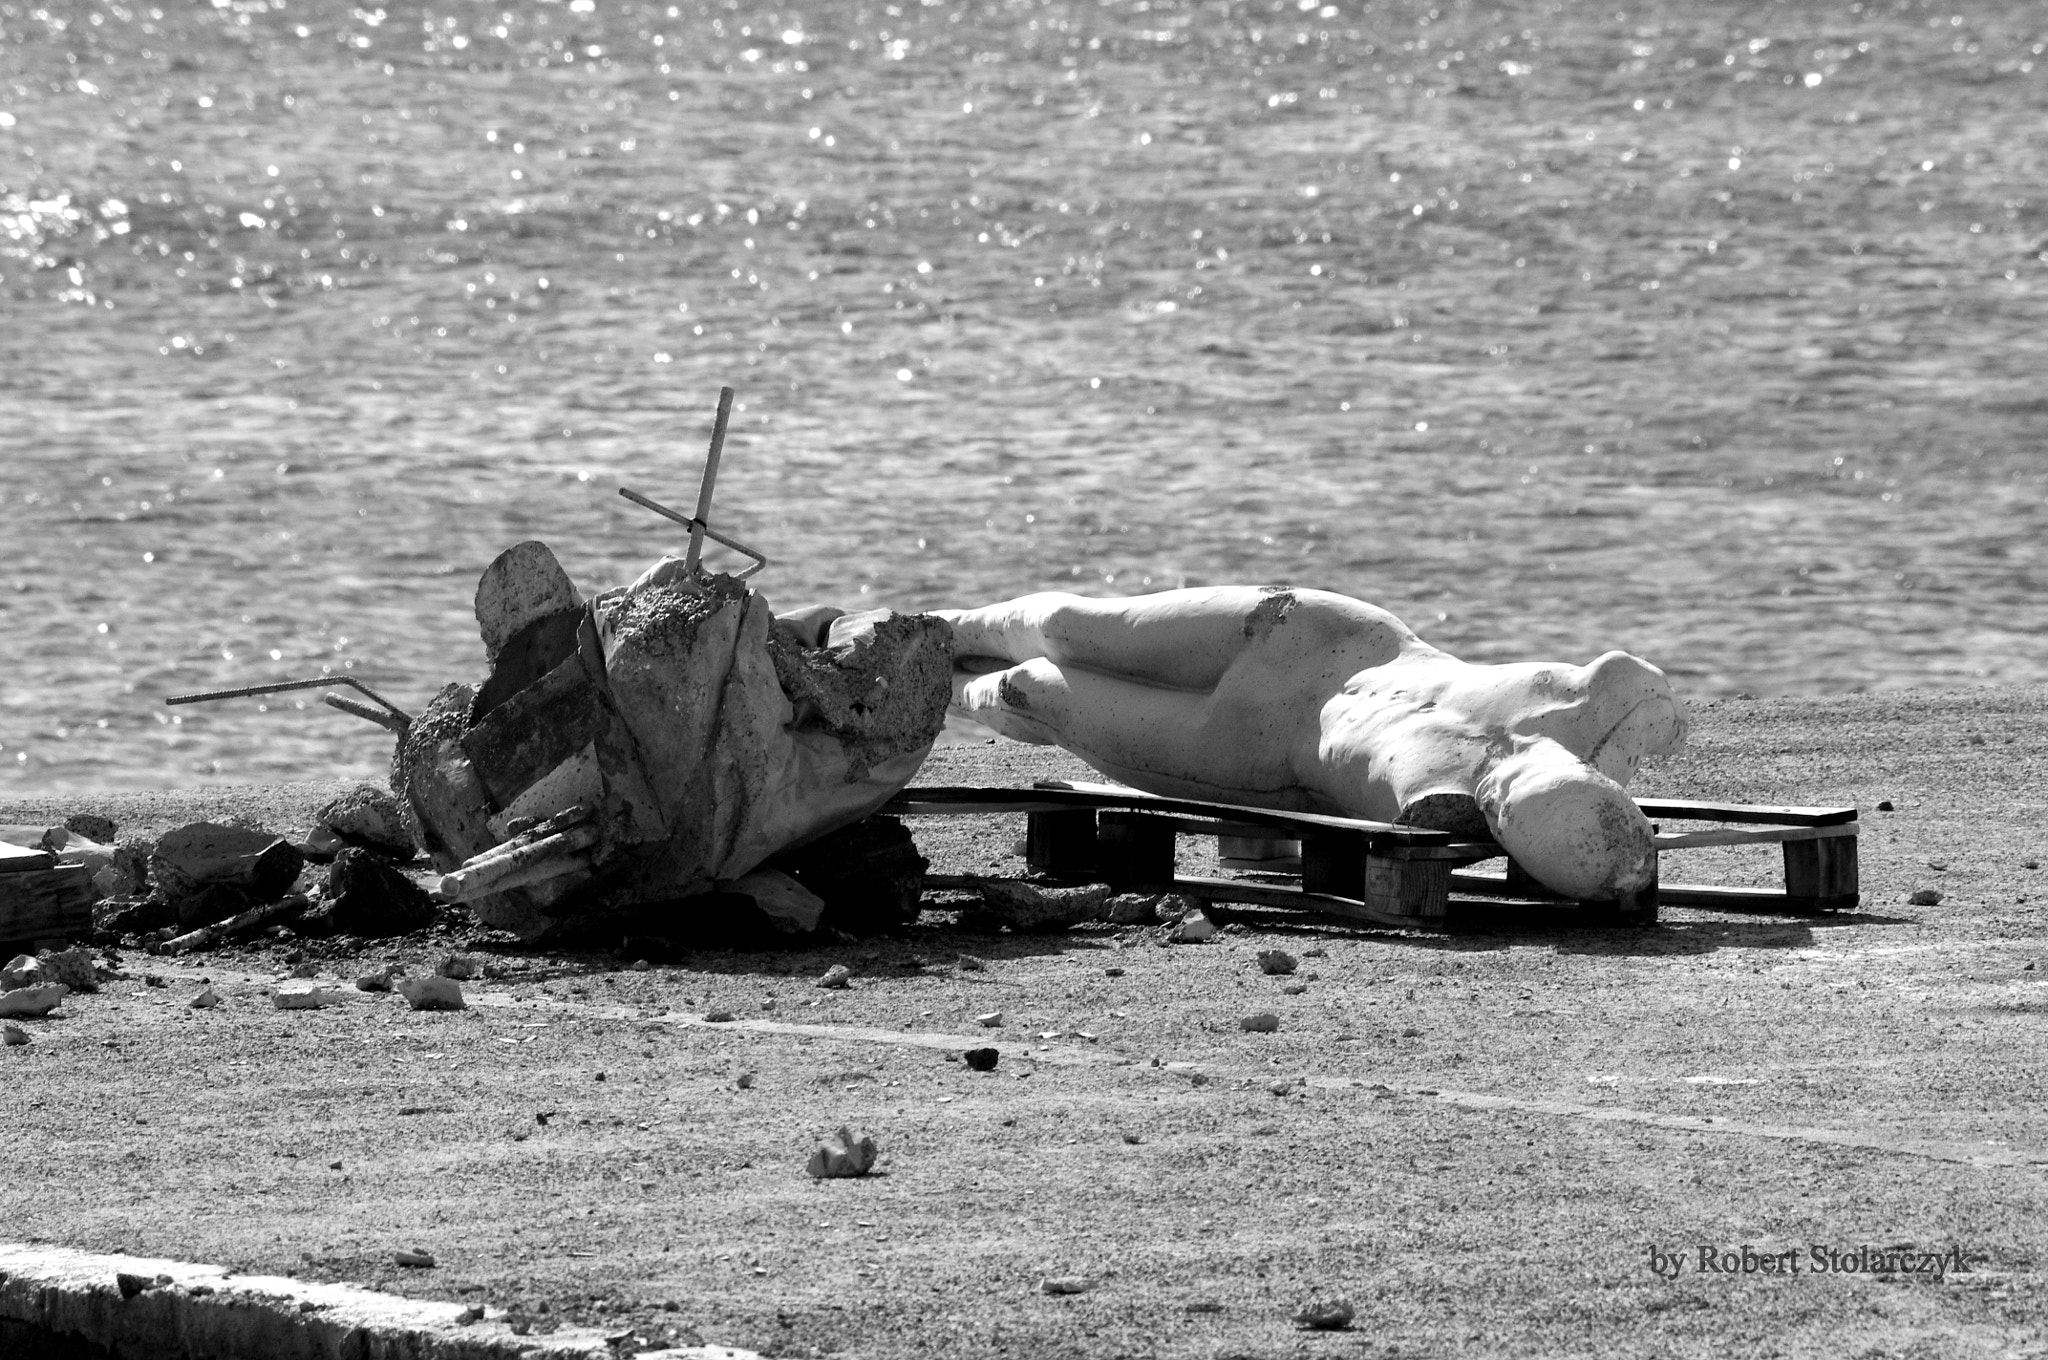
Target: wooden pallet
<point>1376,873</point>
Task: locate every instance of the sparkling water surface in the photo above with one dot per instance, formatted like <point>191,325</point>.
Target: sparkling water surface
<point>1713,332</point>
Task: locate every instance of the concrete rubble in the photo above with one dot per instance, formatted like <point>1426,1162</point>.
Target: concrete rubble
<point>843,1154</point>
<point>658,742</point>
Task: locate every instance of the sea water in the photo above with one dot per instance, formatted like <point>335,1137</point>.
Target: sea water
<point>1711,332</point>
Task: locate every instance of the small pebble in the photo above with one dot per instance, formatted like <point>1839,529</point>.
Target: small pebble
<point>1326,1315</point>
<point>2031,864</point>
<point>989,1019</point>
<point>1064,1284</point>
<point>1276,962</point>
<point>718,1017</point>
<point>1112,972</point>
<point>13,1036</point>
<point>982,1059</point>
<point>745,1081</point>
<point>836,977</point>
<point>334,1166</point>
<point>1885,806</point>
<point>1133,1139</point>
<point>461,967</point>
<point>379,981</point>
<point>970,964</point>
<point>418,1260</point>
<point>1295,988</point>
<point>1926,897</point>
<point>1265,1022</point>
<point>206,1000</point>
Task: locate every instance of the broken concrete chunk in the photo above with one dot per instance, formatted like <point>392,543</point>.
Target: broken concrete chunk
<point>379,981</point>
<point>37,1000</point>
<point>303,996</point>
<point>789,906</point>
<point>843,1154</point>
<point>659,710</point>
<point>371,819</point>
<point>989,1019</point>
<point>23,970</point>
<point>522,586</point>
<point>206,1000</point>
<point>1194,928</point>
<point>1027,907</point>
<point>1276,962</point>
<point>432,993</point>
<point>837,977</point>
<point>205,855</point>
<point>370,896</point>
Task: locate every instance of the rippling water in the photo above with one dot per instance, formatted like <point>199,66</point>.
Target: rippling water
<point>1714,332</point>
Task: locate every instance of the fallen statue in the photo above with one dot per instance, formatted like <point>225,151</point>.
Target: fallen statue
<point>1311,701</point>
<point>658,741</point>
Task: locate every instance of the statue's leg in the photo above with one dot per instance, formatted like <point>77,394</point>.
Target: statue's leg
<point>1176,742</point>
<point>1185,639</point>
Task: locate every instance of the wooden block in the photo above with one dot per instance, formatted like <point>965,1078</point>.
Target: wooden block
<point>1417,888</point>
<point>1821,875</point>
<point>48,904</point>
<point>1133,849</point>
<point>1061,842</point>
<point>1333,862</point>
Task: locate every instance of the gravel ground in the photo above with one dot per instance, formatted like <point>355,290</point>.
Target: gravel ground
<point>1478,1138</point>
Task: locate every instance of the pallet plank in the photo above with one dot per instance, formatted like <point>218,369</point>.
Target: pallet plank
<point>1691,809</point>
<point>1752,835</point>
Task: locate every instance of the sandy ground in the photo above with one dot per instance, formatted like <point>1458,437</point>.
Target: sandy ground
<point>1479,1138</point>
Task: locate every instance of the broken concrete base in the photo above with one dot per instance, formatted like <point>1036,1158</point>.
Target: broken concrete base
<point>73,1299</point>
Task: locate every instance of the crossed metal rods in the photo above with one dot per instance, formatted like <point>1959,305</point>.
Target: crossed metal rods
<point>392,718</point>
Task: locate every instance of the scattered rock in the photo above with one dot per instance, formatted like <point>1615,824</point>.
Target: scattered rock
<point>1285,1086</point>
<point>379,981</point>
<point>91,826</point>
<point>1885,805</point>
<point>982,1059</point>
<point>13,1036</point>
<point>1174,907</point>
<point>1194,928</point>
<point>23,970</point>
<point>460,967</point>
<point>1265,1022</point>
<point>2030,864</point>
<point>38,1000</point>
<point>989,1019</point>
<point>301,996</point>
<point>205,1001</point>
<point>304,969</point>
<point>438,993</point>
<point>1926,897</point>
<point>369,896</point>
<point>1064,1284</point>
<point>718,1017</point>
<point>970,964</point>
<point>418,1260</point>
<point>744,1081</point>
<point>1130,909</point>
<point>365,818</point>
<point>1276,962</point>
<point>1294,989</point>
<point>843,1154</point>
<point>131,1285</point>
<point>72,967</point>
<point>837,977</point>
<point>1326,1315</point>
<point>1112,972</point>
